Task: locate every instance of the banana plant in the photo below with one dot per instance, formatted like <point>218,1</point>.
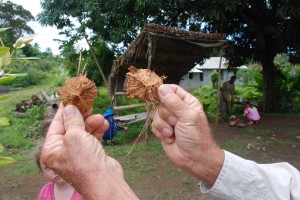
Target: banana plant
<point>6,57</point>
<point>5,160</point>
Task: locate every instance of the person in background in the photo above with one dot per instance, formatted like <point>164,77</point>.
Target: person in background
<point>182,127</point>
<point>57,188</point>
<point>227,98</point>
<point>111,132</point>
<point>251,113</point>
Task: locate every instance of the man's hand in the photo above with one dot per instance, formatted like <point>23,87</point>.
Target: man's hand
<point>78,157</point>
<point>180,123</point>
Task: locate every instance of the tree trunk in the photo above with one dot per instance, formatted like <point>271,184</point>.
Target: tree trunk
<point>96,61</point>
<point>270,89</point>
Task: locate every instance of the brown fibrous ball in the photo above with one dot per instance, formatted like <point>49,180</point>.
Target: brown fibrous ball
<point>143,84</point>
<point>78,91</point>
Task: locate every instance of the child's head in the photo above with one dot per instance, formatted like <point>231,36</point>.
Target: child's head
<point>48,173</point>
<point>108,113</point>
<point>248,104</point>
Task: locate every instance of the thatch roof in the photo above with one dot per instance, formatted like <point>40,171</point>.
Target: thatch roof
<point>167,51</point>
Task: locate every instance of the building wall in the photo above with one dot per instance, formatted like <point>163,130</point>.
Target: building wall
<point>195,82</point>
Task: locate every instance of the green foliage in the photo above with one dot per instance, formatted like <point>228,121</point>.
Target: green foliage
<point>23,131</point>
<point>36,69</point>
<point>248,92</point>
<point>104,56</point>
<point>5,160</point>
<point>208,96</point>
<point>13,15</point>
<point>288,82</point>
<point>34,77</point>
<point>4,121</point>
<point>289,89</point>
<point>5,59</point>
<point>214,77</point>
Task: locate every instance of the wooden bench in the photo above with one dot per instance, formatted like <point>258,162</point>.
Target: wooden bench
<point>131,118</point>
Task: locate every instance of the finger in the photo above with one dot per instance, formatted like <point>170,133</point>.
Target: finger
<point>73,119</point>
<point>186,97</point>
<point>96,125</point>
<point>166,115</point>
<point>95,122</point>
<point>162,129</point>
<point>177,100</point>
<point>57,124</point>
<point>160,135</point>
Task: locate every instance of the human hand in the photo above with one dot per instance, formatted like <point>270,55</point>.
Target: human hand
<point>78,157</point>
<point>180,123</point>
<point>94,124</point>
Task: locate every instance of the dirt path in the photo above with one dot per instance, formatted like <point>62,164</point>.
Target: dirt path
<point>273,140</point>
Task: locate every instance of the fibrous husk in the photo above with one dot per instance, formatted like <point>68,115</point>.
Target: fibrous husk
<point>78,91</point>
<point>143,84</point>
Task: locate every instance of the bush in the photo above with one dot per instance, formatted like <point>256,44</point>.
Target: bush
<point>33,77</point>
<point>208,96</point>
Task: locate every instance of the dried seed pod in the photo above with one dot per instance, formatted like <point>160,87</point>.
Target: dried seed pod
<point>143,84</point>
<point>78,91</point>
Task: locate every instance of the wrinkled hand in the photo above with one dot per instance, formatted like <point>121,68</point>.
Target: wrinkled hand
<point>180,123</point>
<point>75,154</point>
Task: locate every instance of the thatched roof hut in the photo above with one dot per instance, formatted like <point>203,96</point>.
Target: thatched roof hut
<point>167,51</point>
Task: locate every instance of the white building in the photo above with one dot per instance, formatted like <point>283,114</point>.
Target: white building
<point>200,74</point>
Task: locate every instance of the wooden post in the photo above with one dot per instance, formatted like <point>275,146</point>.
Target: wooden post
<point>149,57</point>
<point>96,61</point>
<point>149,51</point>
<point>219,92</point>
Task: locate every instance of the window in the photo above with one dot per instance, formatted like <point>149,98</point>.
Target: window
<point>201,76</point>
<point>190,75</point>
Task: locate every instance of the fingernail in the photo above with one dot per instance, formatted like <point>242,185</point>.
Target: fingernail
<point>172,120</point>
<point>164,90</point>
<point>69,111</point>
<point>166,132</point>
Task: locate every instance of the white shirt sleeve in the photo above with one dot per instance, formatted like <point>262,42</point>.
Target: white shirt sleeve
<point>248,180</point>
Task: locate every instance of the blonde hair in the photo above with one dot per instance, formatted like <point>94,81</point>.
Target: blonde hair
<point>48,116</point>
<point>38,152</point>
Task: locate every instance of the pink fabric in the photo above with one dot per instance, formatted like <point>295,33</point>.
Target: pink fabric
<point>47,193</point>
<point>252,113</point>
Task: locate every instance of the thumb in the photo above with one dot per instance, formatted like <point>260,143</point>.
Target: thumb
<point>73,118</point>
<point>171,100</point>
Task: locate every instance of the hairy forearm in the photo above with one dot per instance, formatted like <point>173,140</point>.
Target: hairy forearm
<point>208,168</point>
<point>104,186</point>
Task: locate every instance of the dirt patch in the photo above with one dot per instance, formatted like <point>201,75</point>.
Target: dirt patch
<point>272,140</point>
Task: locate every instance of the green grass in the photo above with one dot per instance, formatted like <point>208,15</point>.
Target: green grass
<point>137,162</point>
<point>250,133</point>
<point>237,146</point>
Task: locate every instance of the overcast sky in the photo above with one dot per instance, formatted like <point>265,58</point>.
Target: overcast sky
<point>45,35</point>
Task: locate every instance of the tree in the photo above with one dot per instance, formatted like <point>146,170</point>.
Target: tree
<point>257,30</point>
<point>15,16</point>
